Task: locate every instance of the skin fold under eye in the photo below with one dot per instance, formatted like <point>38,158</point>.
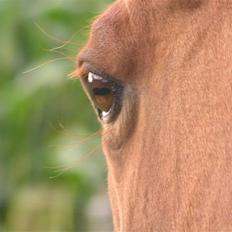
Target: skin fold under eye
<point>106,95</point>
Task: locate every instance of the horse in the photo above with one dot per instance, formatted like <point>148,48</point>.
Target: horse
<point>159,76</point>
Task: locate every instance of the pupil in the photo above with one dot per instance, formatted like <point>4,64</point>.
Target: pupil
<point>102,91</point>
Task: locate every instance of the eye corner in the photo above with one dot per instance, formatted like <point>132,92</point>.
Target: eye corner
<point>78,73</point>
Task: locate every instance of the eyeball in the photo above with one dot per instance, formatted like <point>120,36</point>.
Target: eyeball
<point>106,95</point>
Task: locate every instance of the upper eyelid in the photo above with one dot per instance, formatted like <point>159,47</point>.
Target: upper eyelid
<point>91,68</point>
<point>95,70</point>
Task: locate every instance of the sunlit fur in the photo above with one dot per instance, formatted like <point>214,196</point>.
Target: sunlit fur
<point>169,153</point>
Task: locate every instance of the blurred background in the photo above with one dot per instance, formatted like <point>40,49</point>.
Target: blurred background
<point>52,170</point>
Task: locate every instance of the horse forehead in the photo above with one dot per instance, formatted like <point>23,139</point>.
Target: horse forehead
<point>115,39</point>
<point>138,18</point>
<point>134,13</point>
<point>118,17</point>
<point>126,34</point>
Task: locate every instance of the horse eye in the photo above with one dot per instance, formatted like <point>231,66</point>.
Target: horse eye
<point>105,95</point>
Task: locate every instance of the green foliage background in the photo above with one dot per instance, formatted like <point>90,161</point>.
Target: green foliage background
<point>49,170</point>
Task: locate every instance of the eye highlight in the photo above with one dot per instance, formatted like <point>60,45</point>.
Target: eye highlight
<point>106,95</point>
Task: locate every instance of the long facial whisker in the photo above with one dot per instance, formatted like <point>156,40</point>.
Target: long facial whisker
<point>44,64</point>
<point>64,43</point>
<point>61,170</point>
<point>85,138</point>
<point>69,147</point>
<point>71,58</point>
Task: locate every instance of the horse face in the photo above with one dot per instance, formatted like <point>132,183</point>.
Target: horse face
<point>155,72</point>
<point>120,50</point>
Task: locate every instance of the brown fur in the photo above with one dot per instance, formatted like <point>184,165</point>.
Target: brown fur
<point>169,152</point>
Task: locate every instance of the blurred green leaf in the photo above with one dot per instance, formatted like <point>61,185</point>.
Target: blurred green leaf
<point>44,116</point>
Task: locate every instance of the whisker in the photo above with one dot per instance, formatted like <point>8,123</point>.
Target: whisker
<point>58,126</point>
<point>82,158</point>
<point>90,136</point>
<point>96,147</point>
<point>64,43</point>
<point>44,64</point>
<point>80,142</point>
<point>79,138</point>
<point>72,58</point>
